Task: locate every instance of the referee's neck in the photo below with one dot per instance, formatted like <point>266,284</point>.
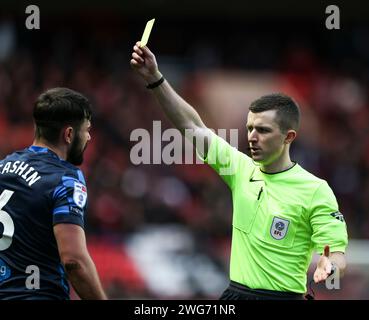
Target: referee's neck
<point>278,166</point>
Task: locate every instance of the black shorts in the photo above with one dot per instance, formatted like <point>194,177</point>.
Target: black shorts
<point>237,291</point>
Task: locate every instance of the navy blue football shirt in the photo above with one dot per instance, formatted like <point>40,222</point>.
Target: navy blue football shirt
<point>37,191</point>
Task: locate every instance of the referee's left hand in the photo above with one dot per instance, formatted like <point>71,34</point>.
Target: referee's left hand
<point>324,267</point>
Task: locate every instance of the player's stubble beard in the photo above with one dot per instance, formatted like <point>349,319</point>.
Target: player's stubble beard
<point>75,154</point>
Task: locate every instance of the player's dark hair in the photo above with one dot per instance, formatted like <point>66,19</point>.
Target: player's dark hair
<point>288,112</point>
<point>56,108</point>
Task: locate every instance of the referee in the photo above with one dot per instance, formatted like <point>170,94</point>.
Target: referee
<point>281,212</point>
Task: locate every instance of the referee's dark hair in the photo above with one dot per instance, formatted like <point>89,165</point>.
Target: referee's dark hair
<point>56,108</point>
<point>288,112</point>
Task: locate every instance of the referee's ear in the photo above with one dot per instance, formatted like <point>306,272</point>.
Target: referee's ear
<point>290,136</point>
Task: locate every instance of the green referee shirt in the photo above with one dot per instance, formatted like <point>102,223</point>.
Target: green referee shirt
<point>278,220</point>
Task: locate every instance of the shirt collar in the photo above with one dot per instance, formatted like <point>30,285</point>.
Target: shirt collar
<point>38,149</point>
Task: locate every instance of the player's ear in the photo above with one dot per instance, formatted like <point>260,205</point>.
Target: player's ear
<point>291,135</point>
<point>68,134</point>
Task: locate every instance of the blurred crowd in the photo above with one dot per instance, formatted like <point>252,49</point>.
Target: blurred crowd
<point>328,78</point>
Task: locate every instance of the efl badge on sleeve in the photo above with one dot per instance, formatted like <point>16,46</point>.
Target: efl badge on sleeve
<point>80,194</point>
<point>279,228</point>
<point>338,215</point>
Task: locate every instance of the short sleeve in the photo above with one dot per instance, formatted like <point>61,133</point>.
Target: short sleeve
<point>70,201</point>
<point>224,159</point>
<point>328,224</point>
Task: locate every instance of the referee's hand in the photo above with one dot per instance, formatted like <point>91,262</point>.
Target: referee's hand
<point>324,267</point>
<point>144,62</point>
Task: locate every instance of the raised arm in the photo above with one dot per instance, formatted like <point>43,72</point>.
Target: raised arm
<point>180,113</point>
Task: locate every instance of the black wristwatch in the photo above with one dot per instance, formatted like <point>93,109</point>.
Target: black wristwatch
<point>155,84</point>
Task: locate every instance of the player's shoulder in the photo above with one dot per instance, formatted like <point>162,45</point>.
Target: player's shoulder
<point>71,179</point>
<point>72,173</point>
<point>64,169</point>
<point>13,155</point>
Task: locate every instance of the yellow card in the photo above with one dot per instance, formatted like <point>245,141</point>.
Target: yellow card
<point>146,33</point>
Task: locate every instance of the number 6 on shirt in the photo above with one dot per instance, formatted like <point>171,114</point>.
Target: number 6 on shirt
<point>6,220</point>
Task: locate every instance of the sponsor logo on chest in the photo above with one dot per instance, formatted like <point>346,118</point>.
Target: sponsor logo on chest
<point>279,228</point>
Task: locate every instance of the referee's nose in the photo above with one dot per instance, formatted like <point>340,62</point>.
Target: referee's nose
<point>253,136</point>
